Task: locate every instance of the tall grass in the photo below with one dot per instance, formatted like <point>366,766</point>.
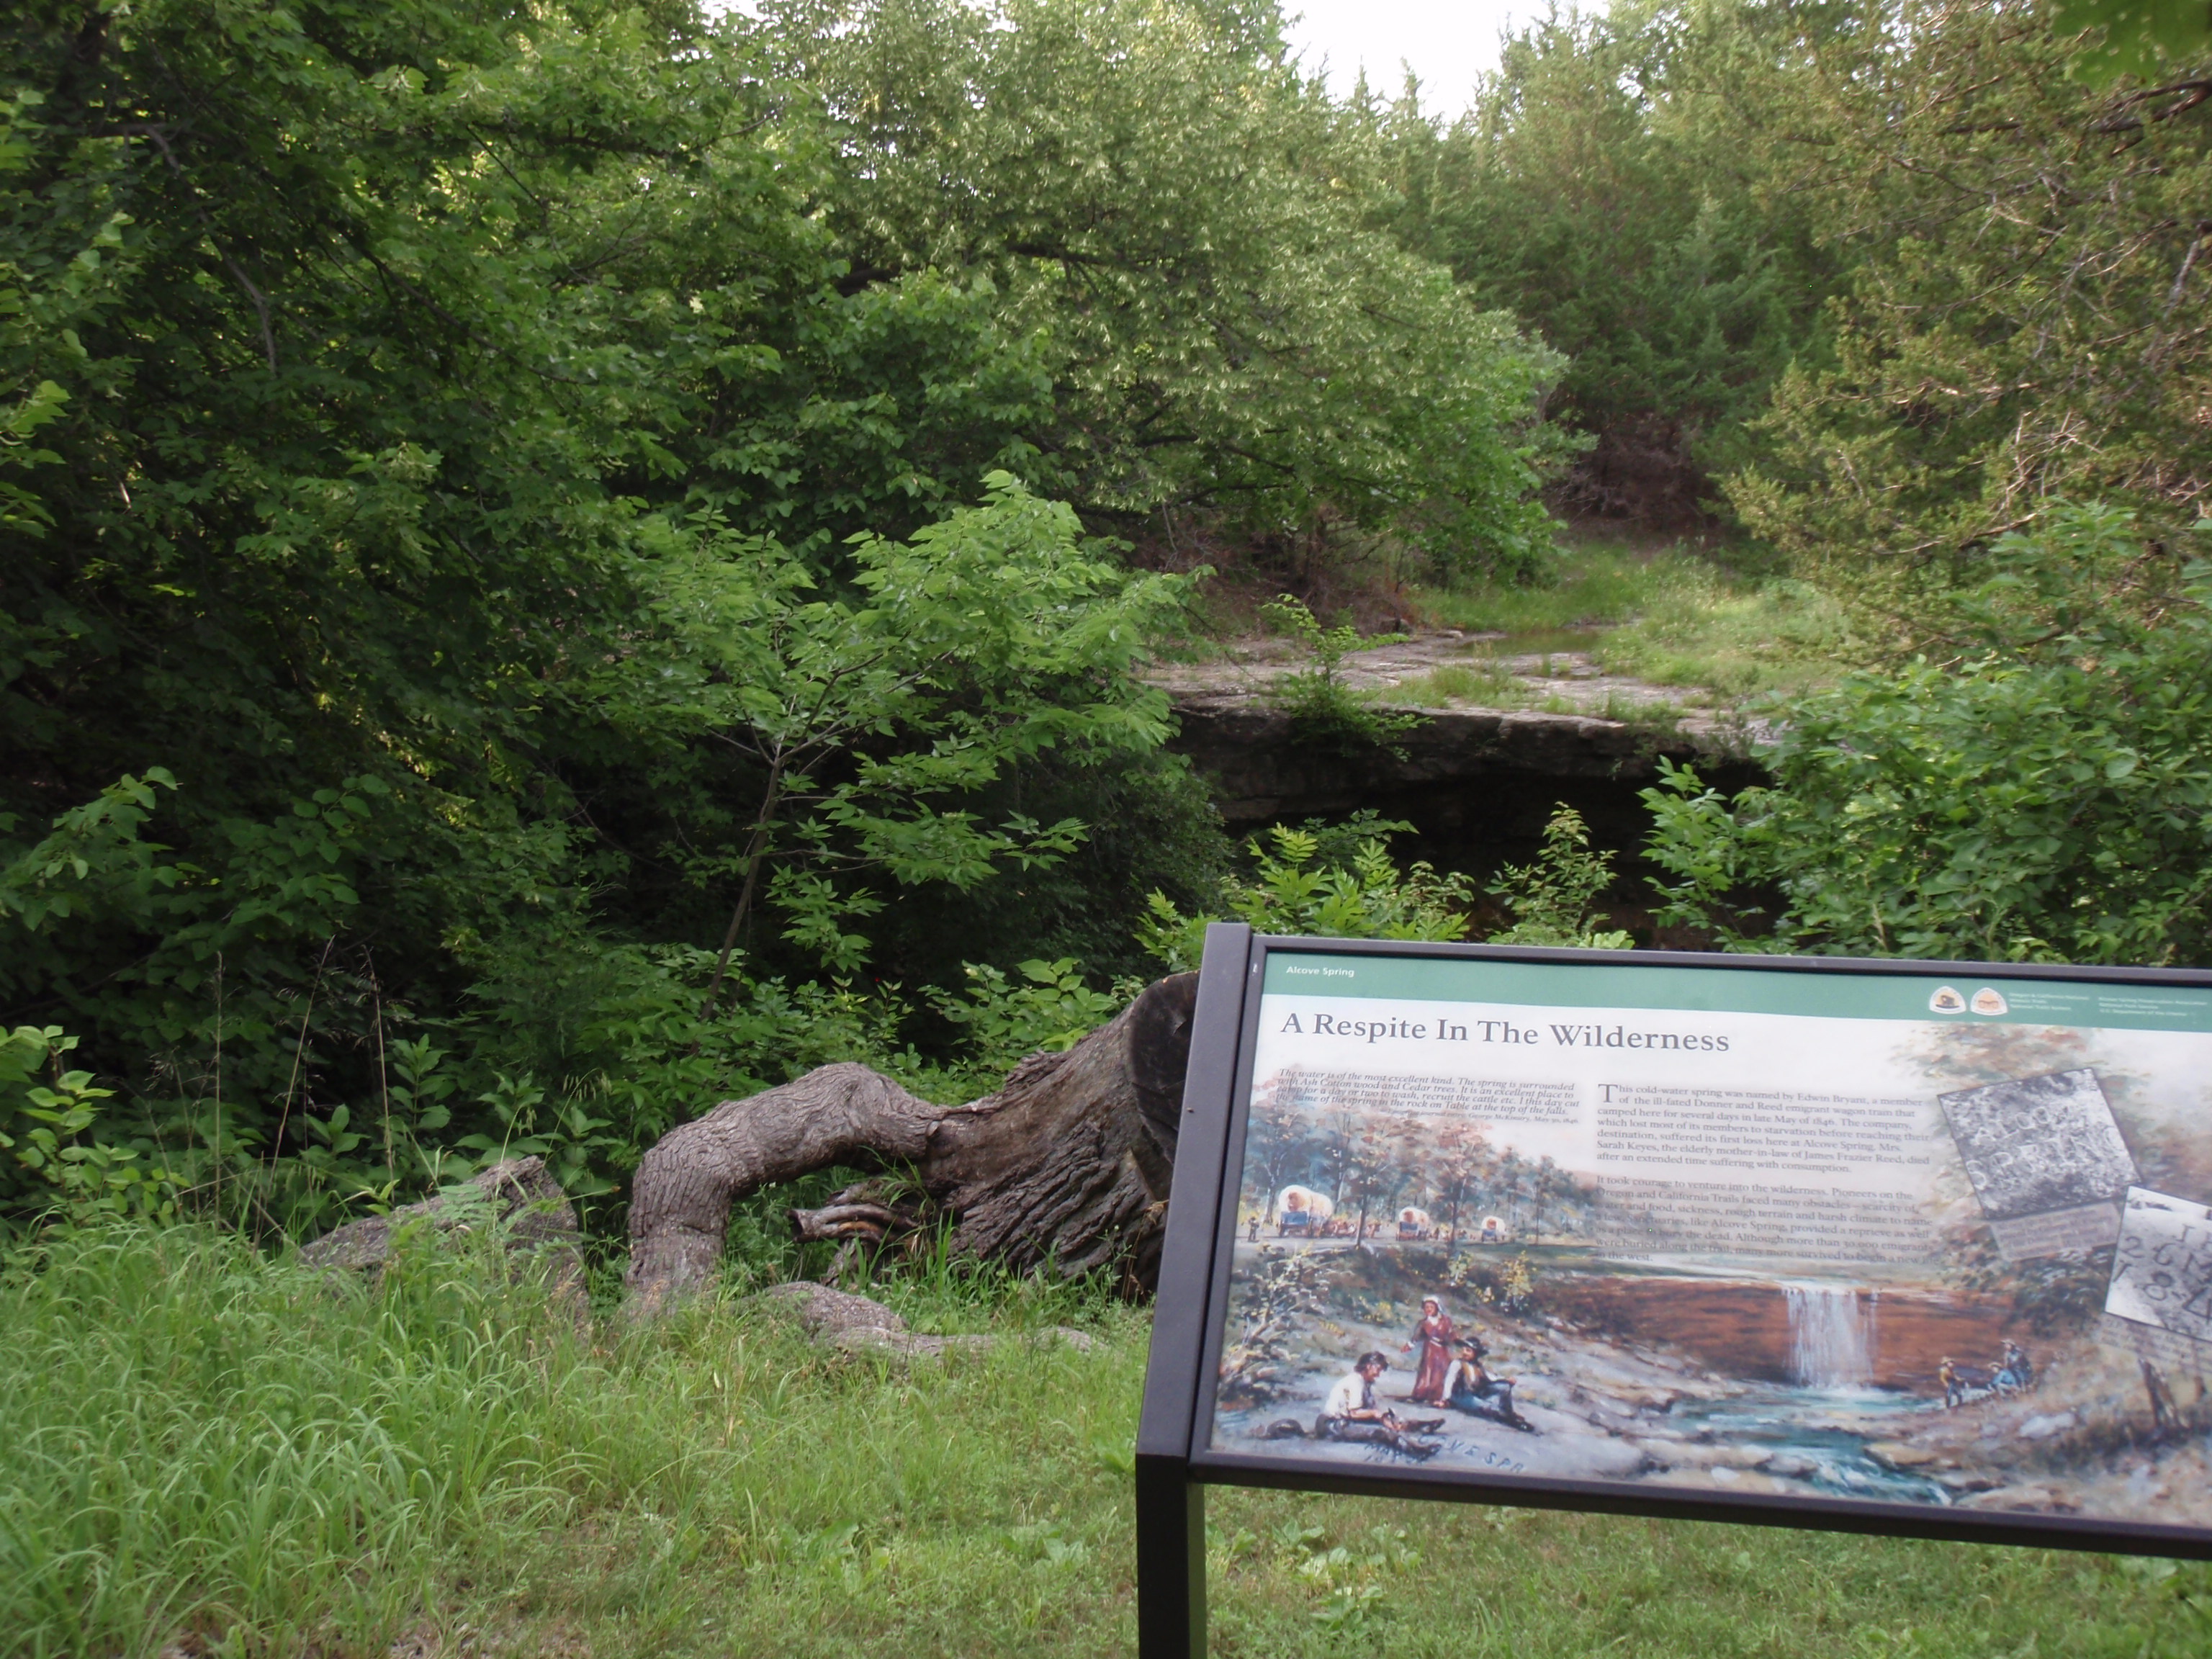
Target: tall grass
<point>1671,617</point>
<point>1593,585</point>
<point>203,1448</point>
<point>197,1439</point>
<point>199,1443</point>
<point>1740,640</point>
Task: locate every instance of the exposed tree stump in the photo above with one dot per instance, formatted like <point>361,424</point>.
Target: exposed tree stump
<point>1066,1165</point>
<point>522,1205</point>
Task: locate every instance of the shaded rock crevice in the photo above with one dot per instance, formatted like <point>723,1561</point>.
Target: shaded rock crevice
<point>1478,785</point>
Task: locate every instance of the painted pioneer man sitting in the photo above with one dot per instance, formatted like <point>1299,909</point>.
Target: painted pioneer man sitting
<point>1350,1413</point>
<point>1967,1385</point>
<point>1470,1389</point>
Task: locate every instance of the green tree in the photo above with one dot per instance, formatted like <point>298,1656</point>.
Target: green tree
<point>987,638</point>
<point>396,398</point>
<point>2024,321</point>
<point>336,298</point>
<point>1619,184</point>
<point>1153,192</point>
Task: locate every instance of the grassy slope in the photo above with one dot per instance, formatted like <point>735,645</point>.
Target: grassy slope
<point>1671,617</point>
<point>195,1442</point>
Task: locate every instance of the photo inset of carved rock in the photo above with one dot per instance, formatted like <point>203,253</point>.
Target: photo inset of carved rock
<point>2161,1285</point>
<point>2046,1160</point>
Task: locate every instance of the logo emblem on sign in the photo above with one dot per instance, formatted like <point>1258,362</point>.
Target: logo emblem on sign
<point>1948,1001</point>
<point>1987,1001</point>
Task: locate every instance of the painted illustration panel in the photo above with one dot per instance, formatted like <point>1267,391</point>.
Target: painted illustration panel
<point>1832,1235</point>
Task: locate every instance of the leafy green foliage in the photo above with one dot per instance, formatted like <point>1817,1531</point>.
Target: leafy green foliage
<point>1155,195</point>
<point>529,562</point>
<point>1614,184</point>
<point>1150,823</point>
<point>1351,893</point>
<point>1551,899</point>
<point>2134,37</point>
<point>1324,709</point>
<point>440,436</point>
<point>2041,795</point>
<point>1807,252</point>
<point>58,1171</point>
<point>2024,321</point>
<point>1049,1008</point>
<point>1342,882</point>
<point>514,519</point>
<point>344,301</point>
<point>43,297</point>
<point>987,639</point>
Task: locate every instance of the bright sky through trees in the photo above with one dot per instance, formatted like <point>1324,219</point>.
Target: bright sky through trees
<point>1447,42</point>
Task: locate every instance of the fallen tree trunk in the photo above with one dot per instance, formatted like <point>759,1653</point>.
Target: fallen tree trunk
<point>1066,1164</point>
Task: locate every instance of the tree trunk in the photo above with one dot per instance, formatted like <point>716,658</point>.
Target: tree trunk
<point>1066,1165</point>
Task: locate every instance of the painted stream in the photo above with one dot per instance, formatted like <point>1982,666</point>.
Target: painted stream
<point>1832,1338</point>
<point>1802,1426</point>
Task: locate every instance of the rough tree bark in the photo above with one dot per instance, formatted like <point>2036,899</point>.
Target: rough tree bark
<point>1066,1163</point>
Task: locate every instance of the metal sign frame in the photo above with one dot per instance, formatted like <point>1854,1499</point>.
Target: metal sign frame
<point>1175,1460</point>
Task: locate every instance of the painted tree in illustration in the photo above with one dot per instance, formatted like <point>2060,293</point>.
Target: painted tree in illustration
<point>1280,1144</point>
<point>1459,1163</point>
<point>1380,1155</point>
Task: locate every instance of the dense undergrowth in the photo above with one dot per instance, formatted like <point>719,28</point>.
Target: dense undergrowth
<point>207,1451</point>
<point>2035,790</point>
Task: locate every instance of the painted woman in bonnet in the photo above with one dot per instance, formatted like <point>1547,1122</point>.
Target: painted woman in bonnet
<point>1433,1336</point>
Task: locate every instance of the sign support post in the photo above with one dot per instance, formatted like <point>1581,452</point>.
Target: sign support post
<point>1170,1505</point>
<point>1171,1561</point>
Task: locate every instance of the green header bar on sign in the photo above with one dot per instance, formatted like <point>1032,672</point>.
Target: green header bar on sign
<point>1746,990</point>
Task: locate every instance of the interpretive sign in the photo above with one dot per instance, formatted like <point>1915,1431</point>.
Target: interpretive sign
<point>1898,1247</point>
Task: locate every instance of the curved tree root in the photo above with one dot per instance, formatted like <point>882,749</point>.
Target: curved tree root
<point>1066,1164</point>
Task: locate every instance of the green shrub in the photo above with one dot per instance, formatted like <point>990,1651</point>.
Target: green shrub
<point>1053,1009</point>
<point>2042,795</point>
<point>1304,886</point>
<point>1323,709</point>
<point>47,1131</point>
<point>1342,882</point>
<point>1552,898</point>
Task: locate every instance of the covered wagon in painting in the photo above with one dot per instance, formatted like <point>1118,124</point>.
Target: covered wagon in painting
<point>1300,1212</point>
